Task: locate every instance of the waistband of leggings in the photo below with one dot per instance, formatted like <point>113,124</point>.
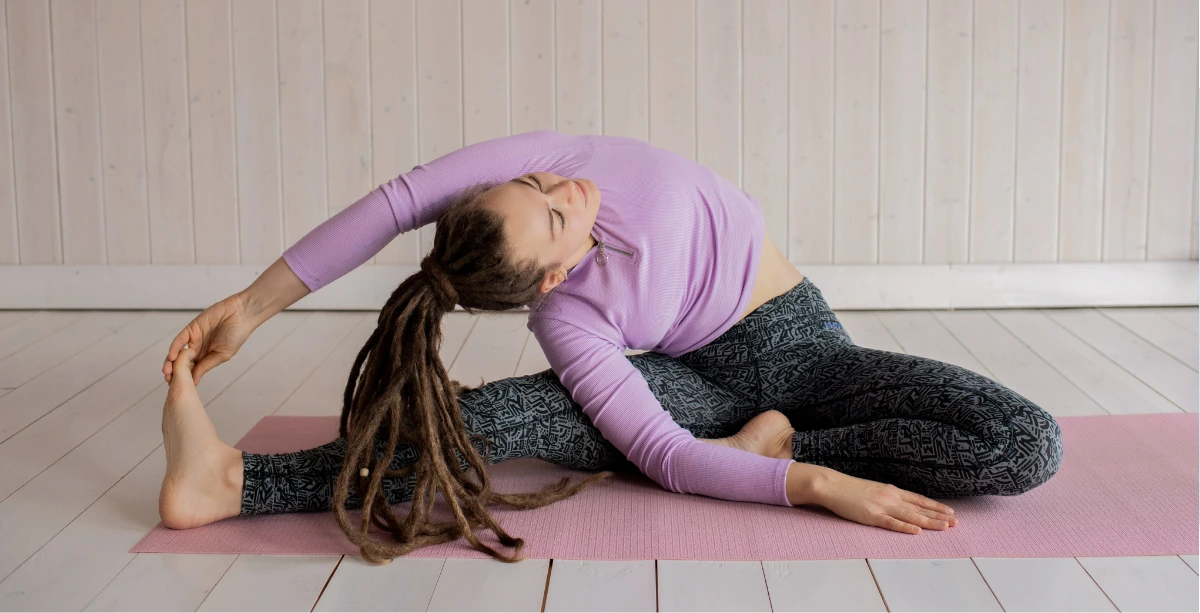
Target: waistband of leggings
<point>801,306</point>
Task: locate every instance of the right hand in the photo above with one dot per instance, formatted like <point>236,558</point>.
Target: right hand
<point>216,334</point>
<point>883,505</point>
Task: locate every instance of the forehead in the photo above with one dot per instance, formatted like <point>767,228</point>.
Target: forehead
<point>525,204</point>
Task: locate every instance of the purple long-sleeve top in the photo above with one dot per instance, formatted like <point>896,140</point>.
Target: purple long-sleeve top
<point>679,251</point>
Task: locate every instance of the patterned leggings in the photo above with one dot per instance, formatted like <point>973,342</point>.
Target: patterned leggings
<point>923,425</point>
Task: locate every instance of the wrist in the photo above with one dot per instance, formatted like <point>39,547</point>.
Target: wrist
<point>806,483</point>
<point>254,307</point>
<point>273,291</point>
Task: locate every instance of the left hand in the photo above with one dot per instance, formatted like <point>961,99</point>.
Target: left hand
<point>881,504</point>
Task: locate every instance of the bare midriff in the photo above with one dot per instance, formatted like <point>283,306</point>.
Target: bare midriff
<point>776,275</point>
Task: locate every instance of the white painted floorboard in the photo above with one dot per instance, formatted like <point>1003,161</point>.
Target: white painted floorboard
<point>83,463</point>
<point>468,584</point>
<point>822,585</point>
<point>1042,584</point>
<point>404,584</point>
<point>692,585</point>
<point>1146,583</point>
<point>952,584</point>
<point>593,585</point>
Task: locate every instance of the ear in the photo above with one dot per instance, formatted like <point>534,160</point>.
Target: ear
<point>552,279</point>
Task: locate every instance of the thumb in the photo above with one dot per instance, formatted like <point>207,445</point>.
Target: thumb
<point>209,362</point>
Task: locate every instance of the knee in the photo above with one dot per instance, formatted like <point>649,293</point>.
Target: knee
<point>1034,453</point>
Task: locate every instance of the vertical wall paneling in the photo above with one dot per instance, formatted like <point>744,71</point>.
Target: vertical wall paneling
<point>671,39</point>
<point>168,155</point>
<point>1173,130</point>
<point>810,131</point>
<point>8,197</point>
<point>901,130</point>
<point>765,112</point>
<point>1039,113</point>
<point>531,63</point>
<point>1195,250</point>
<point>718,87</point>
<point>1085,61</point>
<point>122,132</point>
<point>394,108</point>
<point>439,92</point>
<point>256,110</point>
<point>35,161</point>
<point>1127,152</point>
<point>624,68</point>
<point>305,164</point>
<point>993,130</point>
<point>210,113</point>
<point>347,102</point>
<point>948,132</point>
<point>485,72</point>
<point>856,135</point>
<point>220,132</point>
<point>577,68</point>
<point>77,115</point>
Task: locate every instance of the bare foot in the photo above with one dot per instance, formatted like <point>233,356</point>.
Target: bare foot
<point>203,482</point>
<point>768,434</point>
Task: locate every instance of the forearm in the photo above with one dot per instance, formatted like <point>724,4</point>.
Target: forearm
<point>805,482</point>
<point>273,291</point>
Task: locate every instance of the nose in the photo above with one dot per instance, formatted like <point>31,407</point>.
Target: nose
<point>575,193</point>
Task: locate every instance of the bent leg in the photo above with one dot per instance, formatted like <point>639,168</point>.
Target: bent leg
<point>923,425</point>
<point>920,424</point>
<point>531,416</point>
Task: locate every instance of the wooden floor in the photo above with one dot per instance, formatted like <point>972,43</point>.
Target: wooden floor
<point>81,395</point>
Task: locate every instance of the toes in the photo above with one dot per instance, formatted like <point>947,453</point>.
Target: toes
<point>185,359</point>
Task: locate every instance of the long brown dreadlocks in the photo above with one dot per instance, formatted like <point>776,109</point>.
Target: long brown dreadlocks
<point>404,390</point>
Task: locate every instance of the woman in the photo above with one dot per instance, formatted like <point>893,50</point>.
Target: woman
<point>651,251</point>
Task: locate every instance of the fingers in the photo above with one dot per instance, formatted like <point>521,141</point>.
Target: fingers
<point>923,517</point>
<point>928,503</point>
<point>891,523</point>
<point>205,365</point>
<point>932,514</point>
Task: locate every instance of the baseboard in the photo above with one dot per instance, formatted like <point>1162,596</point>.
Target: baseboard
<point>845,287</point>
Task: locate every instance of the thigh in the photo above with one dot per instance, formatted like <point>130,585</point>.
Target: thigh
<point>853,384</point>
<point>926,412</point>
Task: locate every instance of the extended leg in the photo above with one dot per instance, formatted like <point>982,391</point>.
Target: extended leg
<point>531,416</point>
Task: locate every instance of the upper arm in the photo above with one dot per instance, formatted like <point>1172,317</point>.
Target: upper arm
<point>356,233</point>
<point>419,196</point>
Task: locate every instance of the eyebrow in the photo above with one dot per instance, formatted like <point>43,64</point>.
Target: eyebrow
<point>531,186</point>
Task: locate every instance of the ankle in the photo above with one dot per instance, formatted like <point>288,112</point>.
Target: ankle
<point>235,476</point>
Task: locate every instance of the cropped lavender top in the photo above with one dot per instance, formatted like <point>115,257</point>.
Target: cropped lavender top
<point>674,268</point>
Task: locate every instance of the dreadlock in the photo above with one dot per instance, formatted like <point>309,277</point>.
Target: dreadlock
<point>405,391</point>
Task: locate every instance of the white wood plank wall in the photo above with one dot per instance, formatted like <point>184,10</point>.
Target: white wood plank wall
<point>218,132</point>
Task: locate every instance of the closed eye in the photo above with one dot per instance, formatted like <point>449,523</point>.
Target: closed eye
<point>561,218</point>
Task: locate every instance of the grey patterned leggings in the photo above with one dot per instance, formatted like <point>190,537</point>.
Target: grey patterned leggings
<point>923,425</point>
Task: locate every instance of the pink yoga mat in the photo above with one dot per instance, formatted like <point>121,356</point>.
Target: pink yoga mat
<point>1127,487</point>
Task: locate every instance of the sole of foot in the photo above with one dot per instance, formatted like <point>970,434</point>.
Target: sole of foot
<point>767,434</point>
<point>203,481</point>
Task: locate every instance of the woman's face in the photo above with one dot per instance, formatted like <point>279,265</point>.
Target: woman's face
<point>548,218</point>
